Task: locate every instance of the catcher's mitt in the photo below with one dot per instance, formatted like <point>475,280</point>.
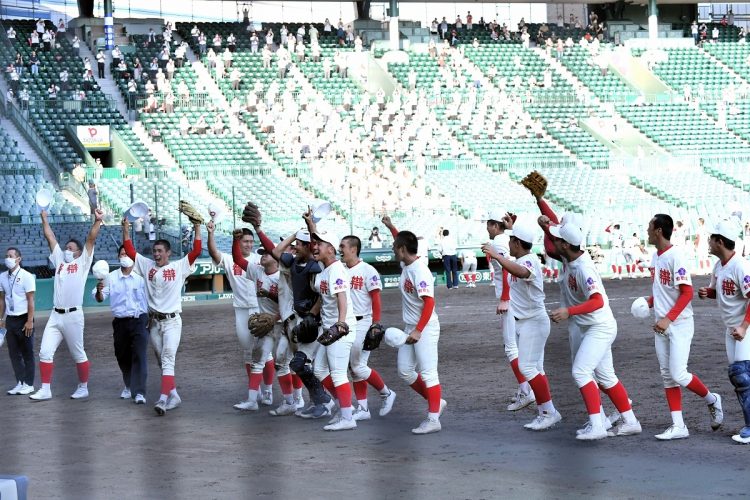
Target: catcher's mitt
<point>260,324</point>
<point>335,332</point>
<point>306,331</point>
<point>536,183</point>
<point>251,214</point>
<point>373,337</point>
<point>190,212</point>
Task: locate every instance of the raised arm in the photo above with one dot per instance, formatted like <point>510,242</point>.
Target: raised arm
<point>126,243</point>
<point>49,235</point>
<point>197,247</point>
<point>386,220</point>
<point>213,250</point>
<point>94,231</point>
<point>281,247</point>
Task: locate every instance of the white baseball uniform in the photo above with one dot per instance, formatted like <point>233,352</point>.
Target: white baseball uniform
<point>363,280</point>
<point>532,326</point>
<point>501,244</point>
<point>416,282</point>
<point>670,270</point>
<point>617,254</point>
<point>732,284</point>
<point>245,300</point>
<point>334,359</point>
<point>70,280</point>
<point>283,351</point>
<point>268,303</point>
<point>164,294</point>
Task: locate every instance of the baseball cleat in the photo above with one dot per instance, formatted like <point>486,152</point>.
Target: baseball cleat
<point>82,392</point>
<point>266,398</point>
<point>387,403</point>
<point>140,399</point>
<point>41,395</point>
<point>16,389</point>
<point>284,409</point>
<point>342,424</point>
<point>625,429</point>
<point>605,421</point>
<point>428,426</point>
<point>674,432</point>
<point>592,434</point>
<point>26,389</point>
<point>160,407</point>
<point>303,413</point>
<point>125,394</point>
<point>247,406</point>
<point>743,437</point>
<point>335,416</point>
<point>544,421</point>
<point>316,411</point>
<point>361,414</point>
<point>522,401</point>
<point>717,413</point>
<point>299,403</point>
<point>173,401</point>
<point>443,406</point>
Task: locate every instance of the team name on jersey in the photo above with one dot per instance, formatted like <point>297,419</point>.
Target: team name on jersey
<point>70,268</point>
<point>728,288</point>
<point>166,274</point>
<point>273,291</point>
<point>408,286</point>
<point>338,286</point>
<point>572,283</point>
<point>237,270</point>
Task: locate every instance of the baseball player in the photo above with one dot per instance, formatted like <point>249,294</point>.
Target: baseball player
<point>364,288</point>
<point>531,323</point>
<point>469,267</point>
<point>245,303</point>
<point>671,300</point>
<point>616,253</point>
<point>420,351</point>
<point>730,285</point>
<point>632,252</point>
<point>702,247</point>
<point>164,282</point>
<point>500,244</point>
<point>66,319</point>
<point>17,289</point>
<point>592,330</point>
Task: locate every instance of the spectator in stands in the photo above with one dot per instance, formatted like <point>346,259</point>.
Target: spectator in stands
<point>164,57</point>
<point>93,196</point>
<point>724,21</point>
<point>52,93</point>
<point>235,77</point>
<point>11,33</point>
<point>301,34</point>
<point>443,28</point>
<point>47,40</point>
<point>169,103</point>
<point>715,34</point>
<point>349,35</point>
<point>731,18</point>
<point>315,51</point>
<point>184,125</point>
<point>231,42</point>
<point>358,44</point>
<point>88,80</point>
<point>121,71</point>
<point>64,86</point>
<point>269,39</point>
<point>469,21</point>
<point>35,40</point>
<point>200,126</point>
<point>153,68</point>
<point>179,54</point>
<point>10,98</point>
<point>40,28</point>
<point>160,80</point>
<point>254,42</point>
<point>202,44</point>
<point>217,43</point>
<point>266,57</point>
<point>327,27</point>
<point>18,64</point>
<point>341,34</point>
<point>458,25</point>
<point>228,58</point>
<point>132,91</point>
<point>24,97</point>
<point>218,126</point>
<point>116,56</point>
<point>100,60</point>
<point>375,240</point>
<point>170,69</point>
<point>151,40</point>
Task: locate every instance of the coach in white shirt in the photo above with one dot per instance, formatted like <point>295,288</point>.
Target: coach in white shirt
<point>127,299</point>
<point>17,287</point>
<point>450,259</point>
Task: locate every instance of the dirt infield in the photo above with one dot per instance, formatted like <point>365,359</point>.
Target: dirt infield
<point>109,448</point>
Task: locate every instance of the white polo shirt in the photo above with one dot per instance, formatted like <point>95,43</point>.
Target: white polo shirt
<point>16,285</point>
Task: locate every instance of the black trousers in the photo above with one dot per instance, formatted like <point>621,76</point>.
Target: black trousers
<point>131,343</point>
<point>20,349</point>
<point>101,69</point>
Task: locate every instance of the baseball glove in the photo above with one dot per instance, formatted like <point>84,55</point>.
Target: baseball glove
<point>260,324</point>
<point>251,214</point>
<point>335,332</point>
<point>373,337</point>
<point>536,183</point>
<point>190,212</point>
<point>306,331</point>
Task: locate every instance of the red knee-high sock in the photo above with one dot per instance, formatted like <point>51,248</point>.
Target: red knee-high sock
<point>418,385</point>
<point>698,387</point>
<point>590,393</point>
<point>328,384</point>
<point>375,381</point>
<point>360,389</point>
<point>83,371</point>
<point>614,268</point>
<point>296,381</point>
<point>344,394</point>
<point>285,382</point>
<point>45,369</point>
<point>167,384</point>
<point>269,372</point>
<point>674,398</point>
<point>540,386</point>
<point>517,371</point>
<point>619,269</point>
<point>249,370</point>
<point>619,397</point>
<point>433,398</point>
<point>255,380</point>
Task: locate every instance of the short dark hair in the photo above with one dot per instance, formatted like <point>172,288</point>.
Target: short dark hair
<point>18,252</point>
<point>120,249</point>
<point>248,232</point>
<point>728,244</point>
<point>446,232</point>
<point>524,244</point>
<point>408,240</point>
<point>78,243</point>
<point>665,223</point>
<point>167,246</point>
<point>354,241</point>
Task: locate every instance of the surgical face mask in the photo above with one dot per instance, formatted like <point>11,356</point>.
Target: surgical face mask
<point>69,256</point>
<point>126,261</point>
<point>10,262</point>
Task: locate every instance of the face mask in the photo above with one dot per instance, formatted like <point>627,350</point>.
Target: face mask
<point>68,256</point>
<point>10,262</point>
<point>126,262</point>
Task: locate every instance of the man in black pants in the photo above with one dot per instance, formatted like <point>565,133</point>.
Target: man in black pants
<point>17,287</point>
<point>127,299</point>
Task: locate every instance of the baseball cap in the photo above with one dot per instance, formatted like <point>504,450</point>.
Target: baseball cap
<point>524,231</point>
<point>496,214</point>
<point>568,232</point>
<point>329,237</point>
<point>303,235</point>
<point>728,228</point>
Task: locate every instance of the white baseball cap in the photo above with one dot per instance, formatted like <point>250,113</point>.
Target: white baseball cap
<point>496,214</point>
<point>728,228</point>
<point>524,231</point>
<point>329,237</point>
<point>395,337</point>
<point>568,232</point>
<point>303,235</point>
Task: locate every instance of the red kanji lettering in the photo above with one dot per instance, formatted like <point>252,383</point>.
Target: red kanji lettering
<point>323,287</point>
<point>72,268</point>
<point>273,292</point>
<point>408,286</point>
<point>728,287</point>
<point>169,274</point>
<point>151,274</point>
<point>59,269</point>
<point>572,283</point>
<point>237,270</point>
<point>258,284</point>
<point>665,276</point>
<point>357,282</point>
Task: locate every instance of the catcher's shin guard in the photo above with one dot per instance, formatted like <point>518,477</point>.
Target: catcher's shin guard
<point>301,366</point>
<point>739,375</point>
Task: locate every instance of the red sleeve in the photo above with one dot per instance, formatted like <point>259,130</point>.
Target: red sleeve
<point>429,306</point>
<point>608,229</point>
<point>375,296</point>
<point>237,255</point>
<point>711,293</point>
<point>650,301</point>
<point>506,287</point>
<point>686,295</point>
<point>594,303</point>
<point>546,210</point>
<point>394,232</point>
<point>195,252</point>
<point>129,249</point>
<point>265,241</point>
